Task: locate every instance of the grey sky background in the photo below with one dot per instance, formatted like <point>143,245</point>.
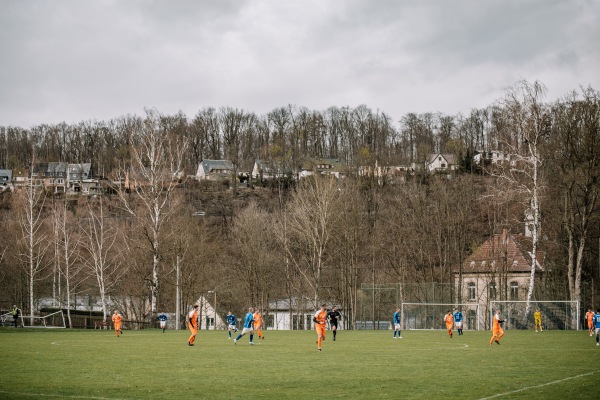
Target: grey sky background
<point>73,60</point>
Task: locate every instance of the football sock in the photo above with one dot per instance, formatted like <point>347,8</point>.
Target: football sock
<point>238,337</point>
<point>251,337</point>
<point>229,334</point>
<point>334,333</point>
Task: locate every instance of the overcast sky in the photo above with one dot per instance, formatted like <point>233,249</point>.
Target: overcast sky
<point>73,60</point>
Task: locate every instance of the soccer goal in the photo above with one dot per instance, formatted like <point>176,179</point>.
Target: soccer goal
<point>557,315</point>
<point>431,315</point>
<point>53,320</point>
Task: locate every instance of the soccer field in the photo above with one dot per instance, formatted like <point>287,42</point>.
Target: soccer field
<point>147,364</point>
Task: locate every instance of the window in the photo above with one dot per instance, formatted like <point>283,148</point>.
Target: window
<point>492,291</point>
<point>514,291</point>
<point>471,291</point>
<point>210,322</point>
<point>270,321</point>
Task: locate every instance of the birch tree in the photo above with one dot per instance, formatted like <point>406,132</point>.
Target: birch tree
<point>575,157</point>
<point>528,126</point>
<point>34,241</point>
<point>99,243</point>
<point>156,166</point>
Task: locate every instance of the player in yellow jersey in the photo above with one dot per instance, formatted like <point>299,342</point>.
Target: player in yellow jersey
<point>449,320</point>
<point>497,331</point>
<point>258,323</point>
<point>537,317</point>
<point>320,320</point>
<point>192,323</point>
<point>117,320</point>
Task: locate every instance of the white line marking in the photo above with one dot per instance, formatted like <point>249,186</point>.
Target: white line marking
<point>539,386</point>
<point>62,396</point>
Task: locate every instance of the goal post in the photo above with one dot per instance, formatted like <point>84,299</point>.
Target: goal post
<point>52,320</point>
<point>556,315</point>
<point>421,316</point>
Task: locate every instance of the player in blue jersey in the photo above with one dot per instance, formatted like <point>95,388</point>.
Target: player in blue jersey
<point>397,328</point>
<point>597,326</point>
<point>248,326</point>
<point>162,318</point>
<point>230,319</point>
<point>458,321</point>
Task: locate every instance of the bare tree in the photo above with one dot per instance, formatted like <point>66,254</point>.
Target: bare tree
<point>576,171</point>
<point>68,244</point>
<point>313,212</point>
<point>35,241</point>
<point>527,128</point>
<point>157,166</point>
<point>99,245</point>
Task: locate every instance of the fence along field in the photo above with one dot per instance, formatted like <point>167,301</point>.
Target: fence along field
<point>147,364</point>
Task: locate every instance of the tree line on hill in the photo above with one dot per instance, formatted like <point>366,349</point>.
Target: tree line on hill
<point>143,250</point>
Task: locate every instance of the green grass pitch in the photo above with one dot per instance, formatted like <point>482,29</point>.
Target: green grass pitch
<point>147,364</point>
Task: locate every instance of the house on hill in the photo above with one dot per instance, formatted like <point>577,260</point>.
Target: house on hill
<point>5,179</point>
<point>441,163</point>
<point>499,269</point>
<point>215,170</point>
<point>264,170</point>
<point>323,166</point>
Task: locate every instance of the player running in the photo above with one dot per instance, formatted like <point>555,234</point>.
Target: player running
<point>458,321</point>
<point>449,320</point>
<point>192,323</point>
<point>397,328</point>
<point>333,317</point>
<point>162,319</point>
<point>320,320</point>
<point>117,320</point>
<point>230,319</point>
<point>597,326</point>
<point>258,323</point>
<point>589,316</point>
<point>497,331</point>
<point>248,326</point>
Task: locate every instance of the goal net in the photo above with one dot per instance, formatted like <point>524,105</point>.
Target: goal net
<point>53,320</point>
<point>560,315</point>
<point>431,315</point>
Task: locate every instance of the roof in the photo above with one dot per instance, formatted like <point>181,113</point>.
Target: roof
<point>303,304</point>
<point>324,164</point>
<point>503,252</point>
<point>208,166</point>
<point>448,157</point>
<point>56,167</point>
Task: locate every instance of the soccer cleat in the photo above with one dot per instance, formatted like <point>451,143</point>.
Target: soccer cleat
<point>334,339</point>
<point>319,349</point>
<point>597,344</point>
<point>400,337</point>
<point>251,343</point>
<point>497,342</point>
<point>234,341</point>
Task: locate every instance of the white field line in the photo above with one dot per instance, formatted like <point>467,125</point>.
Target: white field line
<point>62,396</point>
<point>539,386</point>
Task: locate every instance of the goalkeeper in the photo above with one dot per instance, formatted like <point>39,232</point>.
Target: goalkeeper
<point>497,331</point>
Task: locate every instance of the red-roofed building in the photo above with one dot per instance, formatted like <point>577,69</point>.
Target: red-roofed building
<point>499,269</point>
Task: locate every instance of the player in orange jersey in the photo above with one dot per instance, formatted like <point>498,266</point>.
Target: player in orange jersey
<point>117,320</point>
<point>257,323</point>
<point>449,320</point>
<point>320,320</point>
<point>589,316</point>
<point>192,323</point>
<point>497,331</point>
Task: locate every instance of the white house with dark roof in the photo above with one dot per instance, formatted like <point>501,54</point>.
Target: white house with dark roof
<point>441,162</point>
<point>215,170</point>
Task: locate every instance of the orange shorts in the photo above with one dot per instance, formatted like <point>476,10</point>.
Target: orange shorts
<point>320,330</point>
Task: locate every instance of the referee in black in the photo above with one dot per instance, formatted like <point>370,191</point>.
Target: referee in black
<point>333,317</point>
